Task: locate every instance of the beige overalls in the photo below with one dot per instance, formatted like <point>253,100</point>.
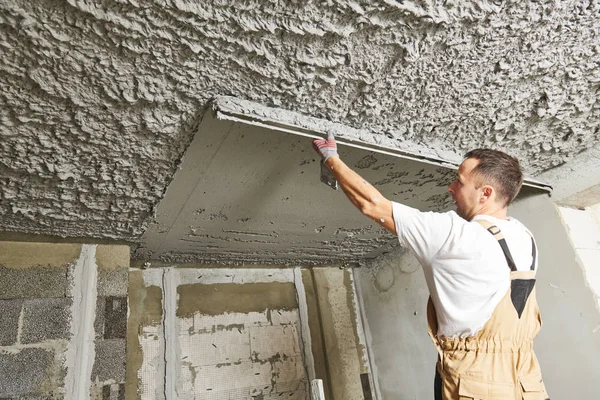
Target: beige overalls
<point>498,363</point>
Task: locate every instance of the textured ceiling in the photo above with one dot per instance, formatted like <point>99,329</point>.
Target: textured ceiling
<point>99,100</point>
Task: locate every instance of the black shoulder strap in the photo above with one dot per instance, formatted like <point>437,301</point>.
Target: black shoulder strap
<point>494,230</point>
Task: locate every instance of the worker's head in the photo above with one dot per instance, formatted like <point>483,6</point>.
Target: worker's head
<point>485,178</point>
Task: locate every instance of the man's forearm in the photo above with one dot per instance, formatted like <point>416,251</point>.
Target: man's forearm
<point>362,194</point>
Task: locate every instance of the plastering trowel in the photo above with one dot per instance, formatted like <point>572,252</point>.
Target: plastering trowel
<point>327,177</point>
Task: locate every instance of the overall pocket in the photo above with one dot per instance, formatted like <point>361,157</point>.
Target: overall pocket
<point>473,388</point>
<point>533,388</point>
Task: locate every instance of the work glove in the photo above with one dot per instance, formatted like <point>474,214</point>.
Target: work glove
<point>325,147</point>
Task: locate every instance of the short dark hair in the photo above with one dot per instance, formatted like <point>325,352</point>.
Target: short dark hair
<point>500,170</point>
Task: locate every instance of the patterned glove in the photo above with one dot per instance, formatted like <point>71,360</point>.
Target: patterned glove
<point>326,147</point>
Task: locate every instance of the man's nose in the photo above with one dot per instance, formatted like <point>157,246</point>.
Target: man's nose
<point>450,189</point>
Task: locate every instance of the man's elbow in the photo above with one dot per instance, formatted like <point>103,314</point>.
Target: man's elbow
<point>368,209</point>
<point>374,209</point>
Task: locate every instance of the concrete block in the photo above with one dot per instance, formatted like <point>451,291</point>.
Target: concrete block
<point>33,282</point>
<point>45,319</point>
<point>22,373</point>
<point>110,360</point>
<point>113,282</point>
<point>10,310</point>
<point>115,317</point>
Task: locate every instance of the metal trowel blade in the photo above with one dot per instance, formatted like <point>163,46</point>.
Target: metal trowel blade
<point>327,177</point>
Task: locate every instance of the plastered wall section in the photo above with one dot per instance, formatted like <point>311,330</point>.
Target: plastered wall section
<point>214,334</point>
<point>583,227</point>
<point>344,355</point>
<point>251,333</point>
<point>394,296</point>
<point>46,306</point>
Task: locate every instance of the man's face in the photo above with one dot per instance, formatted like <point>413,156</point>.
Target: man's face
<point>464,192</point>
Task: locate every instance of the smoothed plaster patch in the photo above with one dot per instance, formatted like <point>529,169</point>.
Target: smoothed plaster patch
<point>216,299</point>
<point>49,255</point>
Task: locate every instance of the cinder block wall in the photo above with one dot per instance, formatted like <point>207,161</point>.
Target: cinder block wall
<point>45,303</point>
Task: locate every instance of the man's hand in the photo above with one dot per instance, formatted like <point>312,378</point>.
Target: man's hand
<point>364,196</point>
<point>325,147</point>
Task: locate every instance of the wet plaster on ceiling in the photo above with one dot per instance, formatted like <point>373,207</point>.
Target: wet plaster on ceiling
<point>100,100</point>
<point>247,194</point>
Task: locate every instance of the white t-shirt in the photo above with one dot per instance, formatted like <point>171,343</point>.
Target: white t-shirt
<point>465,268</point>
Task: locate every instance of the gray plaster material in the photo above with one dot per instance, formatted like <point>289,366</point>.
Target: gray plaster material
<point>46,319</point>
<point>33,282</point>
<point>23,373</point>
<point>576,182</point>
<point>110,361</point>
<point>252,195</point>
<point>10,312</point>
<point>99,101</point>
<point>395,299</point>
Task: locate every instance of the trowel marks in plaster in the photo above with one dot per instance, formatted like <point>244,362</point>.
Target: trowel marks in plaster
<point>246,180</point>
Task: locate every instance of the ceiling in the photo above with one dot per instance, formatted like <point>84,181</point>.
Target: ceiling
<point>101,100</point>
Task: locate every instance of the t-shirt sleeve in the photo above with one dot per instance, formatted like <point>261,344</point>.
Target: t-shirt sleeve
<point>423,232</point>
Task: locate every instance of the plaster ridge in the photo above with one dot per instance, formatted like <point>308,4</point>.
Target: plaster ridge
<point>318,125</point>
<point>170,279</point>
<point>80,350</point>
<point>306,339</point>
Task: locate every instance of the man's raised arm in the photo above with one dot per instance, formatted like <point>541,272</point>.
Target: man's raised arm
<point>362,194</point>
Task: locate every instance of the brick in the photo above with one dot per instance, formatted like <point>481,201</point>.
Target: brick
<point>115,317</point>
<point>45,319</point>
<point>10,310</point>
<point>110,360</point>
<point>22,373</point>
<point>33,282</point>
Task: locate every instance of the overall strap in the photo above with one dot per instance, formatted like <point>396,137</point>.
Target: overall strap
<point>494,230</point>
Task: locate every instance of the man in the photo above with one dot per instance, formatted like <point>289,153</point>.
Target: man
<point>479,266</point>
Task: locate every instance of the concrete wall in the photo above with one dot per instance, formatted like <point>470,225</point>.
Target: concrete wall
<point>394,295</point>
<point>50,346</point>
<point>215,334</point>
<point>260,333</point>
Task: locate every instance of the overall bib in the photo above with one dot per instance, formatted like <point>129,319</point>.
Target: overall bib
<point>498,363</point>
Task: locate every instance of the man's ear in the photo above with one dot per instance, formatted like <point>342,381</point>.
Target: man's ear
<point>486,193</point>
